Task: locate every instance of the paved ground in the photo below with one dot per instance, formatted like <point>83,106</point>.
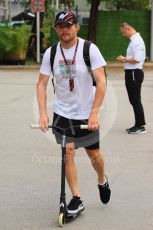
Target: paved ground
<point>30,161</point>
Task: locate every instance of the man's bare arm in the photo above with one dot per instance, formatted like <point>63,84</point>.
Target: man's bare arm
<point>42,97</point>
<point>99,76</point>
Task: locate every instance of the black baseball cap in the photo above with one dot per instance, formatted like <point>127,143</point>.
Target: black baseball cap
<point>66,17</point>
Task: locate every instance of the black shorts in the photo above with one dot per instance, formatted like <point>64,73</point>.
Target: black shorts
<point>80,137</point>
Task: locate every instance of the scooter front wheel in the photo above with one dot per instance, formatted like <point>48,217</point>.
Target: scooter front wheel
<point>61,219</point>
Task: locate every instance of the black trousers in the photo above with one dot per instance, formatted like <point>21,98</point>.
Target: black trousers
<point>133,82</point>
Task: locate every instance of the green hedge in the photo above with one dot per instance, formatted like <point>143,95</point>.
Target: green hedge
<point>13,43</point>
<point>109,39</point>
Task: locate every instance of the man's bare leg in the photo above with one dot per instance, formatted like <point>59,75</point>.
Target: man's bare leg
<point>97,161</point>
<point>71,172</point>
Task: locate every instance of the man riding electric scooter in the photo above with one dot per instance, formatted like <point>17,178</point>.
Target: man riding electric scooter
<point>77,102</point>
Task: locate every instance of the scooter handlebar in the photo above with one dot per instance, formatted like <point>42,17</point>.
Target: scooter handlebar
<point>36,126</point>
<point>83,126</point>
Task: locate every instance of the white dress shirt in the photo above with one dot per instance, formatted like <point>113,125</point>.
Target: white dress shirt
<point>136,49</point>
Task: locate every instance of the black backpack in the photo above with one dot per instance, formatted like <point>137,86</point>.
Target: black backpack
<point>86,58</point>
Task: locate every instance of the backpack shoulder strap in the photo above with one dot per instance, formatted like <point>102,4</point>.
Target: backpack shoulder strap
<point>86,55</point>
<point>86,58</point>
<point>52,56</point>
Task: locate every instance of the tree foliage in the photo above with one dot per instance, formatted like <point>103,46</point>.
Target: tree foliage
<point>14,39</point>
<point>129,4</point>
<point>48,23</point>
<point>67,3</point>
<point>112,4</point>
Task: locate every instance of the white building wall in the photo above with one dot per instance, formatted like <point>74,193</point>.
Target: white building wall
<point>16,8</point>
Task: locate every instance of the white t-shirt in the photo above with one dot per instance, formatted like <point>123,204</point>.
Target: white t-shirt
<point>136,49</point>
<point>76,104</point>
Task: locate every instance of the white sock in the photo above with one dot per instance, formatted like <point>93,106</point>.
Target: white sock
<point>102,184</point>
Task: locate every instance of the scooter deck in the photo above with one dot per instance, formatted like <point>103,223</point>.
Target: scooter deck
<point>70,217</point>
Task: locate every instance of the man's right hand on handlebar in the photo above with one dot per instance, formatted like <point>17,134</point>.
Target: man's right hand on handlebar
<point>43,122</point>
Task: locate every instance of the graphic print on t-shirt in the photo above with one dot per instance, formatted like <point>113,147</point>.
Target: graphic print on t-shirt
<point>65,70</point>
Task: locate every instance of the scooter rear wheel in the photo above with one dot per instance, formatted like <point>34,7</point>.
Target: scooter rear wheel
<point>61,219</point>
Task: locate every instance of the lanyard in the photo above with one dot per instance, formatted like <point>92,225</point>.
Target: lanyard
<point>74,56</point>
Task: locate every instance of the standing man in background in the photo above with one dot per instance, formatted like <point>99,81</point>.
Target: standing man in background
<point>134,75</point>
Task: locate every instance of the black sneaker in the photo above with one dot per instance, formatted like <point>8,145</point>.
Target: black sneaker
<point>130,128</point>
<point>75,206</point>
<point>105,192</point>
<point>137,130</point>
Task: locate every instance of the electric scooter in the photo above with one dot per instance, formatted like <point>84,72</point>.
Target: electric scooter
<point>63,213</point>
